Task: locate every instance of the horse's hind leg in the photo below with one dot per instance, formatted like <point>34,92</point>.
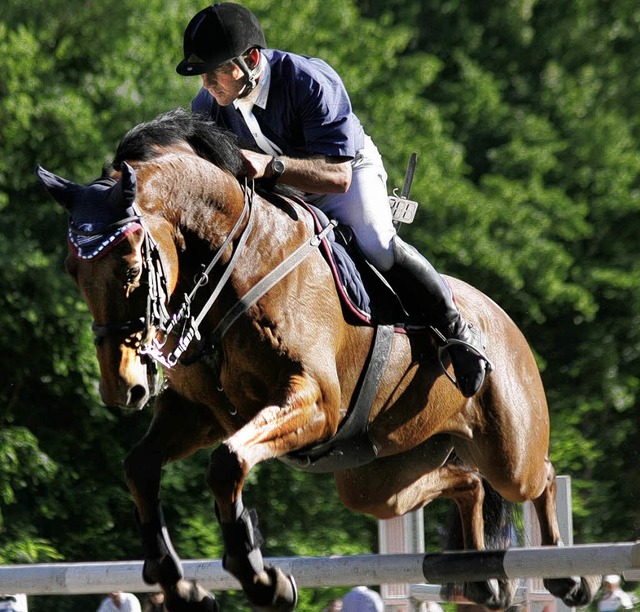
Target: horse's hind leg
<point>479,532</point>
<point>574,591</point>
<point>393,486</point>
<point>166,440</point>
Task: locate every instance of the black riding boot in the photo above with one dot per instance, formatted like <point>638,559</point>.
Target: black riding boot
<point>422,289</point>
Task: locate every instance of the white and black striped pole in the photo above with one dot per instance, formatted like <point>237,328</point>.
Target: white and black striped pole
<point>536,562</point>
<point>468,566</point>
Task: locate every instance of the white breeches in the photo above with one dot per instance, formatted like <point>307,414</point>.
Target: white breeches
<point>365,207</point>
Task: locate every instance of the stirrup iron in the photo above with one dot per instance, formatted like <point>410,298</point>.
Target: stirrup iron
<point>447,343</point>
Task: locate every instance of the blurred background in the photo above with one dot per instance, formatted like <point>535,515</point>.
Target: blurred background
<point>525,115</point>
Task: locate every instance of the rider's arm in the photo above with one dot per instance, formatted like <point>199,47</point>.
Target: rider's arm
<point>317,174</point>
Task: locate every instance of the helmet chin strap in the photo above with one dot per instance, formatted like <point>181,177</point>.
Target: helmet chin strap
<point>250,74</point>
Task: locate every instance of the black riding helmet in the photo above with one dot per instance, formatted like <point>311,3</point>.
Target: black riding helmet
<point>217,34</point>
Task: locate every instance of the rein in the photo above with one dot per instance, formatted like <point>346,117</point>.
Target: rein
<point>156,315</point>
<point>190,324</point>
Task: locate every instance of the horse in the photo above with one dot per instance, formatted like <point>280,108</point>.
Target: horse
<point>184,263</point>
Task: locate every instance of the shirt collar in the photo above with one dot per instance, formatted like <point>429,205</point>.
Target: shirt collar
<point>260,94</point>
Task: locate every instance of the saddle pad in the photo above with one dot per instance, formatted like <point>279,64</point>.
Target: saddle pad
<point>365,293</point>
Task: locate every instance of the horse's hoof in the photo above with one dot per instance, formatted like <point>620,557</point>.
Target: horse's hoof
<point>490,594</point>
<point>187,596</point>
<point>285,592</point>
<point>575,591</point>
<point>164,570</point>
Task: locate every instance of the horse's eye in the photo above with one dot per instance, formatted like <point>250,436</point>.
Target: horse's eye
<point>133,274</point>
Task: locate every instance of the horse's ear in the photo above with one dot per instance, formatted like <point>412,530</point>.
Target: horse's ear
<point>129,183</point>
<point>62,190</point>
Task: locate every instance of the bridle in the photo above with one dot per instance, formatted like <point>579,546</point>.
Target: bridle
<point>183,319</point>
<point>156,313</point>
<point>157,323</point>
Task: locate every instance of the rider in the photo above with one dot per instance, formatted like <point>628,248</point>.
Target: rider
<point>295,111</point>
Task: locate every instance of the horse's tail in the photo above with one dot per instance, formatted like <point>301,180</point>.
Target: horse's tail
<point>502,529</point>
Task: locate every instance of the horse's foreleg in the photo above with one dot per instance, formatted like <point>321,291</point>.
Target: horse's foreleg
<point>142,473</point>
<point>295,420</point>
<point>265,586</point>
<point>166,440</point>
<point>574,591</point>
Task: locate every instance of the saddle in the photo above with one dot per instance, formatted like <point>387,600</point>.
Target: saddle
<point>366,295</point>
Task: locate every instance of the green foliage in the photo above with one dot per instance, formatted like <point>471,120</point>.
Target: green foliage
<point>526,118</point>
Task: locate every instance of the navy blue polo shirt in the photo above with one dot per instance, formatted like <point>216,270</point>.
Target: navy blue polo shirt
<point>308,110</point>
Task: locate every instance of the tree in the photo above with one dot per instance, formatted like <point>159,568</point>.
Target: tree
<point>71,87</point>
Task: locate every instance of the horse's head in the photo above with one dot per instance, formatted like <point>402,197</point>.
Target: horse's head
<point>109,259</point>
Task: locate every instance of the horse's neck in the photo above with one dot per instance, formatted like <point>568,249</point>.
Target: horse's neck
<point>207,207</point>
<point>205,210</point>
<point>214,215</point>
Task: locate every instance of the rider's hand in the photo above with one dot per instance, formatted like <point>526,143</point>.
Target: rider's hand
<point>257,165</point>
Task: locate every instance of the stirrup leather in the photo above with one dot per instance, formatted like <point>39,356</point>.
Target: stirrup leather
<point>447,343</point>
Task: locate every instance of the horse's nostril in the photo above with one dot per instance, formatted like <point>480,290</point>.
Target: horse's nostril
<point>137,395</point>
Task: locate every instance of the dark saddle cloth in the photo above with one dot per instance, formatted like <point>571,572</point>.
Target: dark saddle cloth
<point>366,295</point>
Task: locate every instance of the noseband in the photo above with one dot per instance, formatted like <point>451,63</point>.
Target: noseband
<point>108,330</point>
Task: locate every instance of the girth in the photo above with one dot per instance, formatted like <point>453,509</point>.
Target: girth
<point>352,446</point>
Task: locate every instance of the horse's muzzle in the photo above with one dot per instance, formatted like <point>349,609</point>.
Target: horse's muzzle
<point>130,386</point>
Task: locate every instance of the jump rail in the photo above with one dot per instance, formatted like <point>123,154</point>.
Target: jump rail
<point>536,562</point>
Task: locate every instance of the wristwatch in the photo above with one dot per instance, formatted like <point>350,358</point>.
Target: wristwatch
<point>277,168</point>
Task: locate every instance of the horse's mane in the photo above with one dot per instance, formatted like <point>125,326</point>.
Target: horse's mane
<point>209,141</point>
<point>179,126</point>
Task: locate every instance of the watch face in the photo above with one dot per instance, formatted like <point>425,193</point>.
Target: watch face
<point>277,165</point>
